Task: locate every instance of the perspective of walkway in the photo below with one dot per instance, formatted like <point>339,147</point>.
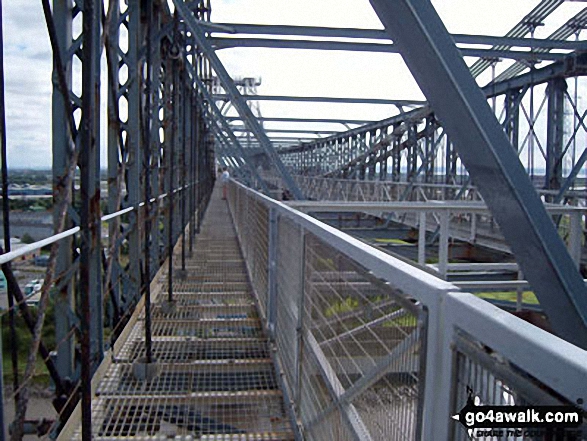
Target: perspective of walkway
<point>216,379</point>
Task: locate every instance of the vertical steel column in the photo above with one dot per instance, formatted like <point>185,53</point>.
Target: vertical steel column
<point>430,149</point>
<point>169,139</point>
<point>198,160</point>
<point>170,142</point>
<point>272,242</point>
<point>184,163</point>
<point>193,173</point>
<point>512,117</point>
<point>575,236</point>
<point>90,282</point>
<point>422,239</point>
<point>297,394</point>
<point>155,140</point>
<point>554,133</point>
<point>133,139</point>
<point>6,221</point>
<point>61,146</point>
<point>115,159</point>
<point>443,243</point>
<point>147,8</point>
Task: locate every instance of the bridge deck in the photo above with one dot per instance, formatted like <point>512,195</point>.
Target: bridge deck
<point>216,377</point>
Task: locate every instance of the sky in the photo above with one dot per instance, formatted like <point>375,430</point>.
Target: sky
<point>285,72</point>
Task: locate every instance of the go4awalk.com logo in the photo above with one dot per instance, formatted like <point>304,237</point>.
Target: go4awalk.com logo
<point>519,421</point>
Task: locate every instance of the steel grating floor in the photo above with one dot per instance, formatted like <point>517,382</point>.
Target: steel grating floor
<point>216,380</point>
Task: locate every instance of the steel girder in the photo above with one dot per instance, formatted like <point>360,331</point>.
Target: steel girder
<point>63,145</point>
<point>235,96</point>
<point>378,34</point>
<point>572,26</point>
<point>437,66</point>
<point>220,123</point>
<point>305,120</point>
<point>232,42</point>
<point>514,91</point>
<point>321,99</point>
<point>524,27</point>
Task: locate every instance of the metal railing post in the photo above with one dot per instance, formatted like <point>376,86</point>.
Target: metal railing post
<point>272,272</point>
<point>300,324</point>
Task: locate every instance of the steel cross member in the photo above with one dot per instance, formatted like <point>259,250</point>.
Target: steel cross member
<point>222,121</point>
<point>235,96</point>
<point>436,64</point>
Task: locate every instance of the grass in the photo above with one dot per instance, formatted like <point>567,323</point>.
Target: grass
<point>528,297</point>
<point>346,305</point>
<point>393,241</point>
<point>41,376</point>
<point>405,320</point>
<point>24,338</point>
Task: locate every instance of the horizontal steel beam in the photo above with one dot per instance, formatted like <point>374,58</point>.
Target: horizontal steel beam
<point>415,206</point>
<point>379,34</point>
<point>573,65</point>
<point>270,130</point>
<point>279,139</point>
<point>234,95</point>
<point>323,99</point>
<point>225,43</point>
<point>306,120</point>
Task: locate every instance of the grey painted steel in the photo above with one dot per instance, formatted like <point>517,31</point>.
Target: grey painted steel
<point>115,148</point>
<point>225,43</point>
<point>555,133</point>
<point>220,119</point>
<point>444,78</point>
<point>235,96</point>
<point>270,130</point>
<point>133,180</point>
<point>379,34</point>
<point>305,120</point>
<point>323,99</point>
<point>525,26</point>
<point>449,312</point>
<point>240,152</point>
<point>453,206</point>
<point>62,144</point>
<point>572,27</point>
<point>272,272</point>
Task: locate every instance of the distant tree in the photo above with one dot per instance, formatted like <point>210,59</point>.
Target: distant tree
<point>27,238</point>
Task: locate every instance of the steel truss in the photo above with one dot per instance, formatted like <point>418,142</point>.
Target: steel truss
<point>166,134</point>
<point>161,169</point>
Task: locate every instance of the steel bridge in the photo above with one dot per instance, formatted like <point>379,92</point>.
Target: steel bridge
<point>181,314</point>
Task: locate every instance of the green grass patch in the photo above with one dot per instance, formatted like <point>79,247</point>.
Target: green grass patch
<point>509,296</point>
<point>406,320</point>
<point>341,307</point>
<point>392,241</point>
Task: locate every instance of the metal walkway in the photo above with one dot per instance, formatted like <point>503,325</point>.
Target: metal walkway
<point>216,378</point>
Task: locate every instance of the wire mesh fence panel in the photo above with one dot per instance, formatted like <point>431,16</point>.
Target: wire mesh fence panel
<point>486,378</point>
<point>355,328</point>
<point>371,337</point>
<point>289,295</point>
<point>259,218</point>
<point>251,222</point>
<point>332,427</point>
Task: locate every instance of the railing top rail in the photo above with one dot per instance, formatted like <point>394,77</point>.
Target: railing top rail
<point>426,206</point>
<point>7,257</point>
<point>551,360</point>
